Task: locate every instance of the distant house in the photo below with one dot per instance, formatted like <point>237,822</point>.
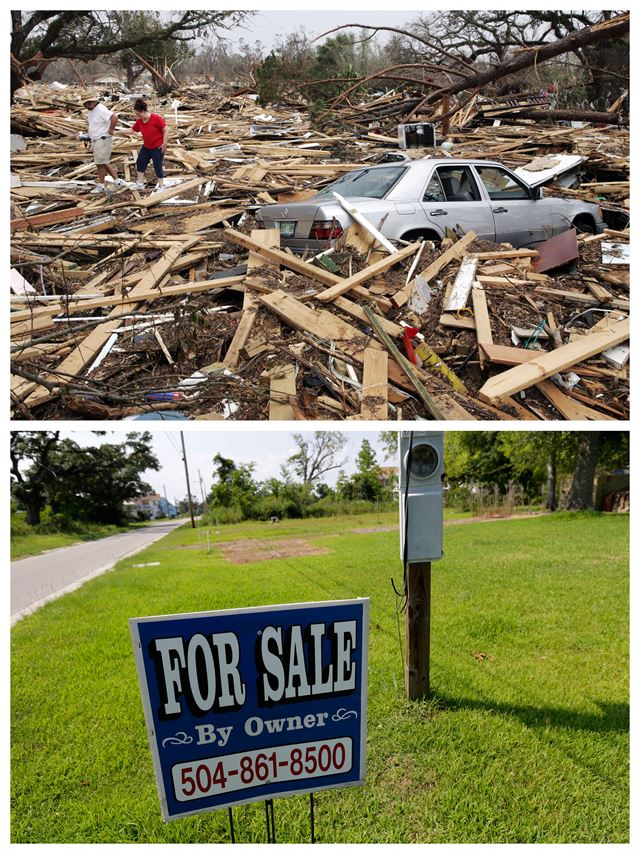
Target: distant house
<point>152,506</point>
<point>388,476</point>
<point>612,491</point>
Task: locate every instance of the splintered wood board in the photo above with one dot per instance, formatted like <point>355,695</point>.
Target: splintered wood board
<point>455,251</point>
<point>368,273</point>
<point>462,284</point>
<point>545,365</point>
<point>570,409</point>
<point>375,385</point>
<point>282,389</point>
<point>271,239</point>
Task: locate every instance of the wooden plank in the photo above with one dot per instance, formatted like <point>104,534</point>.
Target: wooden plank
<point>80,306</point>
<point>357,311</point>
<point>375,385</point>
<point>429,402</point>
<point>599,291</point>
<point>546,364</point>
<point>282,390</point>
<point>462,284</point>
<point>570,409</point>
<point>163,346</point>
<point>368,273</point>
<point>575,296</point>
<point>360,218</point>
<point>170,192</point>
<point>506,253</point>
<point>47,218</point>
<point>96,339</point>
<point>264,237</point>
<point>280,257</point>
<point>455,322</point>
<point>482,322</point>
<point>455,251</point>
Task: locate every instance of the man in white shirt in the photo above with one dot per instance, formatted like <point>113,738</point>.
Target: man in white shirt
<point>102,123</point>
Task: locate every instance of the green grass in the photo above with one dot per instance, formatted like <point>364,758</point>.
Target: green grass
<point>34,543</point>
<point>524,741</point>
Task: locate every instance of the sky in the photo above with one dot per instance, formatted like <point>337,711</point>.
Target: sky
<point>268,449</point>
<point>266,25</point>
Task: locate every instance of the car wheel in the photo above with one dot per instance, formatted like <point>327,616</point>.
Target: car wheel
<point>584,224</point>
<point>426,235</point>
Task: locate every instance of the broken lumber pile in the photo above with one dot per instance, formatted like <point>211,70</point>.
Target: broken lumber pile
<point>130,303</point>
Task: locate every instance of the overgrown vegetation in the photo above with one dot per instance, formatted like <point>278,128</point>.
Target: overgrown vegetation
<point>79,484</point>
<point>301,492</point>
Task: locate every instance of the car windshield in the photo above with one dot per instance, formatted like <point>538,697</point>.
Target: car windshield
<point>371,183</point>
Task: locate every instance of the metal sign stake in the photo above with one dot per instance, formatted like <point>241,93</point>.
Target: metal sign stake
<point>313,830</point>
<point>233,836</point>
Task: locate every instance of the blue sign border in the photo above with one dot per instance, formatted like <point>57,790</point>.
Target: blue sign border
<point>167,755</point>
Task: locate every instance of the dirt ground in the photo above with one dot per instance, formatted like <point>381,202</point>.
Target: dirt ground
<point>251,551</point>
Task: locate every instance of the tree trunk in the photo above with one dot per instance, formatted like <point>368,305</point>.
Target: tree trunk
<point>615,28</point>
<point>33,511</point>
<point>562,115</point>
<point>580,494</point>
<point>552,497</point>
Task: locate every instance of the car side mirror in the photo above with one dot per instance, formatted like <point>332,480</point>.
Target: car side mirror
<point>537,193</point>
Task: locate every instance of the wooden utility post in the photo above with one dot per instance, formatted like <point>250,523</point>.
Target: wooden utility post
<point>417,624</point>
<point>186,471</point>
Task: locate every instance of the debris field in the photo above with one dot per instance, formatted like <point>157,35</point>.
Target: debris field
<point>173,301</point>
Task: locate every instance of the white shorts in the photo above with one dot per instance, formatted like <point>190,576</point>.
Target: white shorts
<point>102,150</point>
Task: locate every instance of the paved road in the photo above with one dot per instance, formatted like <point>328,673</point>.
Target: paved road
<point>39,579</point>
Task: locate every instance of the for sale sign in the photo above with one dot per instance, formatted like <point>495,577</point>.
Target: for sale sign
<point>245,705</point>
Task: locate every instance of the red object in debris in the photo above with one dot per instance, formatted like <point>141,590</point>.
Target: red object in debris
<point>325,230</point>
<point>556,251</point>
<point>409,333</point>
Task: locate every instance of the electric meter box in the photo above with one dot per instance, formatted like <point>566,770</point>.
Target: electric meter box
<point>417,135</point>
<point>421,494</point>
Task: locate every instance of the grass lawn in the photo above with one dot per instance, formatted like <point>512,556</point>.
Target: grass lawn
<point>34,543</point>
<point>525,740</point>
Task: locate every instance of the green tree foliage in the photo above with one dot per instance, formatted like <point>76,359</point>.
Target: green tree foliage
<point>40,36</point>
<point>32,470</point>
<point>79,483</point>
<point>366,482</point>
<point>533,458</point>
<point>389,442</point>
<point>159,52</point>
<point>317,454</point>
<point>234,485</point>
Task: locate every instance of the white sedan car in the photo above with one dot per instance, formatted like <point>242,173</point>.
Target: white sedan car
<point>420,198</point>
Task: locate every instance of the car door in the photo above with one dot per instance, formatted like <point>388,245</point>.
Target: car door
<point>519,218</point>
<point>452,198</point>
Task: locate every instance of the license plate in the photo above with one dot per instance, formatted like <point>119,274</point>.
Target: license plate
<point>287,229</point>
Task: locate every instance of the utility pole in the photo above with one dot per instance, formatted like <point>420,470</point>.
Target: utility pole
<point>204,503</point>
<point>186,471</point>
<point>166,500</point>
<point>417,627</point>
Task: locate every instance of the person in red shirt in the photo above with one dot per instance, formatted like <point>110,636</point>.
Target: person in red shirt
<point>155,133</point>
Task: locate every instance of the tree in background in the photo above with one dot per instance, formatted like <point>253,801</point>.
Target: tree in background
<point>93,483</point>
<point>37,37</point>
<point>234,485</point>
<point>389,442</point>
<point>366,484</point>
<point>29,485</point>
<point>317,455</point>
<point>79,483</point>
<point>159,53</point>
<point>531,458</point>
